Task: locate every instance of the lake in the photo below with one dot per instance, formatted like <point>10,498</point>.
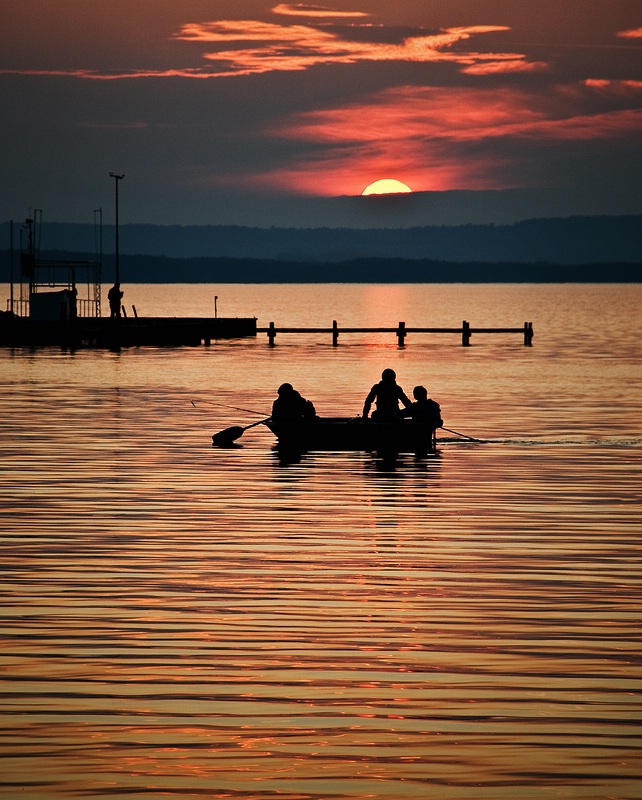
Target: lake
<point>181,621</point>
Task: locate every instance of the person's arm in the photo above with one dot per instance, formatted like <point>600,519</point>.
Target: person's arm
<point>368,401</point>
<point>404,399</point>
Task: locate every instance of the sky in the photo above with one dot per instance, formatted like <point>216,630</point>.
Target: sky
<point>266,113</point>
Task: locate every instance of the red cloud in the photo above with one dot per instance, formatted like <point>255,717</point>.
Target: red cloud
<point>298,47</point>
<point>506,66</point>
<point>634,33</point>
<point>303,10</point>
<point>250,47</point>
<point>438,138</point>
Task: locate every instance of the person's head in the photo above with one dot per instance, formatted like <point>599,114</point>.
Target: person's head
<point>285,389</point>
<point>388,375</point>
<point>420,393</point>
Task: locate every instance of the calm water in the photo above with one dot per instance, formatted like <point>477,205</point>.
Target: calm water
<point>185,622</point>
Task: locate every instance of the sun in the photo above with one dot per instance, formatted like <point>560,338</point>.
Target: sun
<point>386,186</point>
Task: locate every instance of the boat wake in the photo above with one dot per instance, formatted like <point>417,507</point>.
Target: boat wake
<point>604,441</point>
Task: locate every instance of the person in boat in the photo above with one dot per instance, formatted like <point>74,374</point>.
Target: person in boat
<point>424,410</point>
<point>115,295</point>
<point>387,394</point>
<point>290,406</point>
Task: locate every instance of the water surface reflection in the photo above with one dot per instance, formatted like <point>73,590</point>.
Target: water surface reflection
<point>190,622</point>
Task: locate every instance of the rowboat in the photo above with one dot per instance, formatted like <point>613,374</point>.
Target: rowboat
<point>344,433</point>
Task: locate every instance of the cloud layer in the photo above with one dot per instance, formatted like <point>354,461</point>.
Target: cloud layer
<point>321,100</point>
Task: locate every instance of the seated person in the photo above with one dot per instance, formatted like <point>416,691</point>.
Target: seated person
<point>387,394</point>
<point>424,409</point>
<point>289,406</point>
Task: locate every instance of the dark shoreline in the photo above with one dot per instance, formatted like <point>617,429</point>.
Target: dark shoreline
<point>161,269</point>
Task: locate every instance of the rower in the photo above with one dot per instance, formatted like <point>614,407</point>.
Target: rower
<point>387,394</point>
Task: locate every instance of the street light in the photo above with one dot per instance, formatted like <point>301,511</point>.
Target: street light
<point>116,179</point>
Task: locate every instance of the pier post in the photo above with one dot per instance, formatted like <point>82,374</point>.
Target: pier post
<point>401,334</point>
<point>335,333</point>
<point>465,334</point>
<point>271,334</point>
<point>528,334</point>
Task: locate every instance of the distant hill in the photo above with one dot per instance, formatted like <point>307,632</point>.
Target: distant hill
<point>556,241</point>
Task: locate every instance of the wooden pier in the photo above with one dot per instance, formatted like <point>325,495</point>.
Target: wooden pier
<point>401,331</point>
<point>137,331</point>
<point>103,332</point>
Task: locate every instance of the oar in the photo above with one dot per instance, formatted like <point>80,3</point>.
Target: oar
<point>228,436</point>
<point>461,434</point>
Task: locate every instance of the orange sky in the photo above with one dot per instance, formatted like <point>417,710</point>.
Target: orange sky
<point>204,104</point>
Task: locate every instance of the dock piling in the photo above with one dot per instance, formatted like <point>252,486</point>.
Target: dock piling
<point>271,333</point>
<point>465,334</point>
<point>401,334</point>
<point>335,333</point>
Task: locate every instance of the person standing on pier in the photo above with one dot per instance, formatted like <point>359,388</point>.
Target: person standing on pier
<point>387,394</point>
<point>115,296</point>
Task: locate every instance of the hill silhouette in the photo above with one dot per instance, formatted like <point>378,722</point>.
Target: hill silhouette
<point>564,241</point>
<point>160,269</point>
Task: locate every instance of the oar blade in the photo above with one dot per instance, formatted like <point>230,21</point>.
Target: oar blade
<point>227,437</point>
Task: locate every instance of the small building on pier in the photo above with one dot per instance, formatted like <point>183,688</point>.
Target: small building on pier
<point>52,290</point>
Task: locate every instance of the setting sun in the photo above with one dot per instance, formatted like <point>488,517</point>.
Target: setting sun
<point>386,186</point>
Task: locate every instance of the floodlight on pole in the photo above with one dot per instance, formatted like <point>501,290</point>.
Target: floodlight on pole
<point>116,179</point>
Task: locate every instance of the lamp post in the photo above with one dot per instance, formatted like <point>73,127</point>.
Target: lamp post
<point>116,179</point>
<point>31,256</point>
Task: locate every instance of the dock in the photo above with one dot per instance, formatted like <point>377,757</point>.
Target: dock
<point>465,332</point>
<point>57,303</point>
<point>103,332</point>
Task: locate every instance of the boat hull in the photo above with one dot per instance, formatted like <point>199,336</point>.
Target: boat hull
<point>342,433</point>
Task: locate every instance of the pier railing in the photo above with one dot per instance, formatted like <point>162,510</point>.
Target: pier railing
<point>401,331</point>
